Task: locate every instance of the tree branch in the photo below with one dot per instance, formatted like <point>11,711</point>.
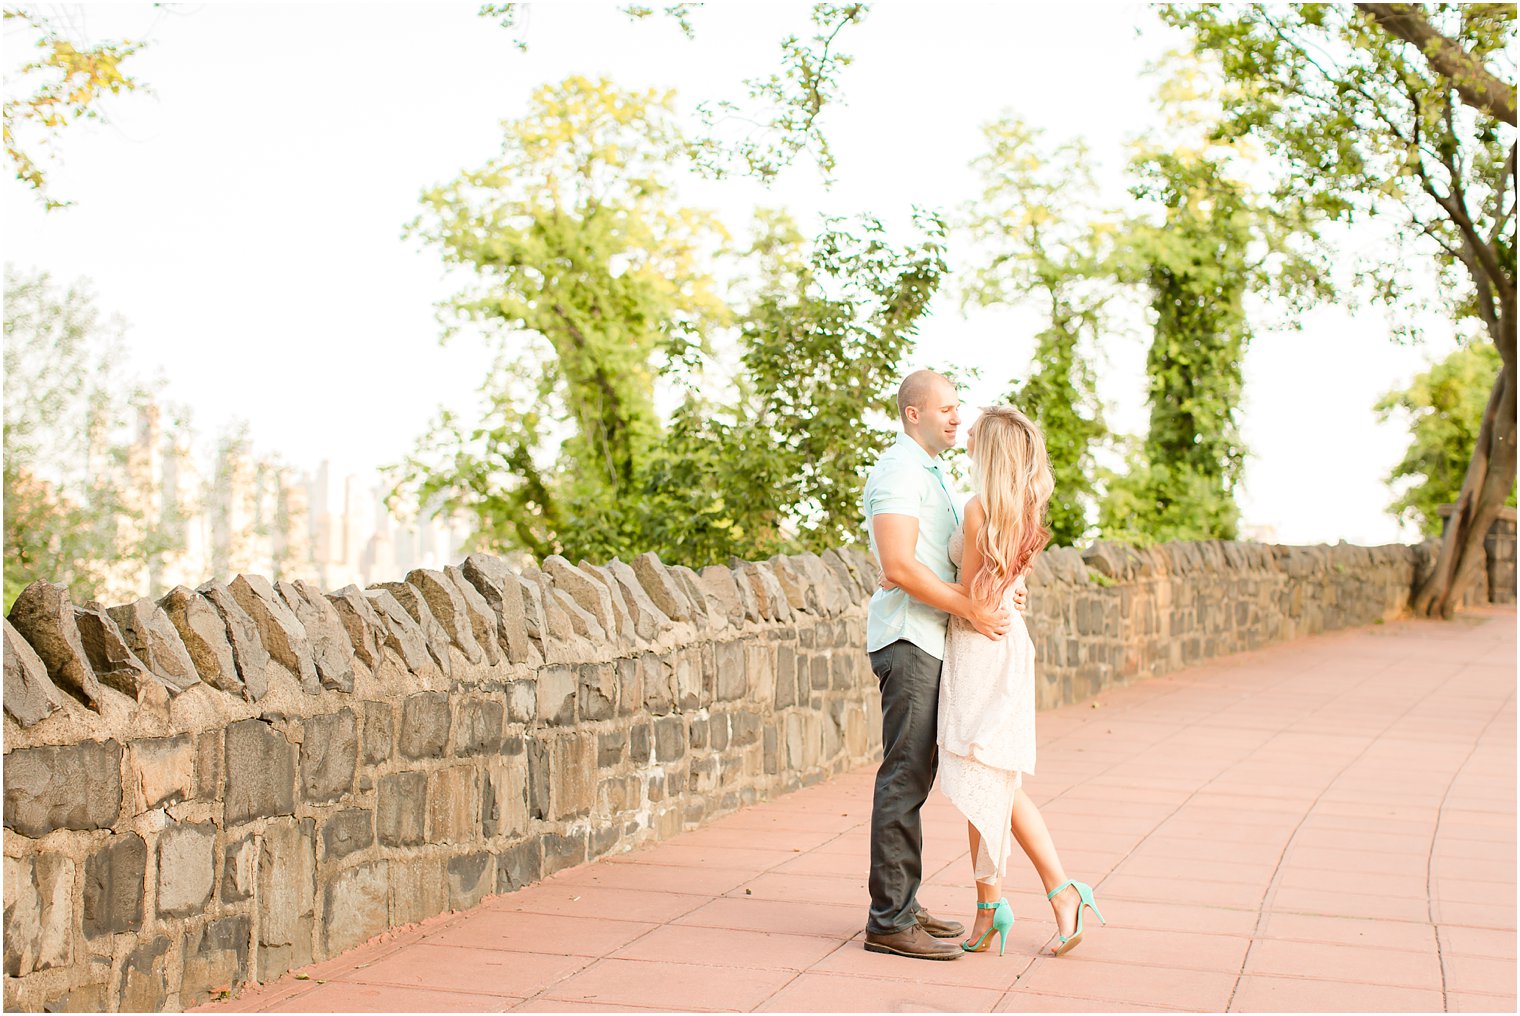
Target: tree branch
<point>1478,88</point>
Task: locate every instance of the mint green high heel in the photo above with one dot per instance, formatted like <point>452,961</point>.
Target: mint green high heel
<point>1002,922</point>
<point>1085,892</point>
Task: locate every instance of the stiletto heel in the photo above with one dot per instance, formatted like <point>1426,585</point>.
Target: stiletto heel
<point>1002,922</point>
<point>1085,899</point>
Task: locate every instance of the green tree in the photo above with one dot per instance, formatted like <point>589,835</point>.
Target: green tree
<point>1444,410</point>
<point>72,513</point>
<point>63,85</point>
<point>1396,111</point>
<point>1039,241</point>
<point>599,288</point>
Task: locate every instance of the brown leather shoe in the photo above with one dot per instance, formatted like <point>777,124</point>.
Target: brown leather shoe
<point>938,928</point>
<point>914,943</point>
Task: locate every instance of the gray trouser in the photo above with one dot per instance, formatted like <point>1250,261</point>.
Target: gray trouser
<point>909,679</point>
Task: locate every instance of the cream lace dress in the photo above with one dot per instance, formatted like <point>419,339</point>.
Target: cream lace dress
<point>986,727</point>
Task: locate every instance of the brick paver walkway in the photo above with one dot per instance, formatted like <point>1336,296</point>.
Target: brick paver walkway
<point>1327,825</point>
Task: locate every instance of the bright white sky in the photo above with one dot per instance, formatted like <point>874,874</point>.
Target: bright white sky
<point>245,220</point>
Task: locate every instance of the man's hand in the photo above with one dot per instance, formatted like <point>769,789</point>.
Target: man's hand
<point>1020,595</point>
<point>991,623</point>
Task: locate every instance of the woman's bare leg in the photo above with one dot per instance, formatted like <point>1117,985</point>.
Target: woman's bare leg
<point>1030,830</point>
<point>986,892</point>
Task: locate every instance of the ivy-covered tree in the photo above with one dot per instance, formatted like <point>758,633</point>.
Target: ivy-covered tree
<point>1039,241</point>
<point>1403,112</point>
<point>1443,407</point>
<point>599,291</point>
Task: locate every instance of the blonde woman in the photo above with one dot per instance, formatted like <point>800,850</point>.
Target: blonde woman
<point>987,692</point>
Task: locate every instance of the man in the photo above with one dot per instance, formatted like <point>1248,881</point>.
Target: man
<point>911,516</point>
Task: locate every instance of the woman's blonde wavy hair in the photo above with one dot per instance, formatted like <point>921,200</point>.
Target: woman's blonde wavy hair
<point>1011,473</point>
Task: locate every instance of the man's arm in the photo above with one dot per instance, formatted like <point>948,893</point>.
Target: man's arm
<point>896,541</point>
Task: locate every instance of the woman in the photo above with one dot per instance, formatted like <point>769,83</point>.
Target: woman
<point>987,691</point>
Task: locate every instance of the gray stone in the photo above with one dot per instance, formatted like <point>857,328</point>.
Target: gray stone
<point>826,587</point>
<point>564,851</point>
<point>649,621</point>
<point>215,958</point>
<point>366,631</point>
<point>658,679</point>
<point>208,765</point>
<point>347,831</point>
<point>556,696</point>
<point>114,881</point>
<point>186,868</point>
<point>598,691</point>
<point>502,592</point>
<point>454,805</point>
<point>280,631</point>
<point>630,685</point>
<point>504,798</point>
<point>535,620</point>
<point>589,594</point>
<point>732,682</point>
<point>621,616</point>
<point>583,623</point>
<point>331,650</point>
<point>419,889</point>
<point>661,587</point>
<point>254,665</point>
<point>113,661</point>
<point>204,636</point>
<point>75,786</point>
<point>91,993</point>
<point>572,776</point>
<point>425,725</point>
<point>402,809</point>
<point>433,633</point>
<point>39,912</point>
<point>239,868</point>
<point>144,983</point>
<point>471,877</point>
<point>287,894</point>
<point>446,603</point>
<point>329,756</point>
<point>477,727</point>
<point>793,584</point>
<point>30,696</point>
<point>703,613</point>
<point>152,636</point>
<point>160,772</point>
<point>719,585</point>
<point>519,866</point>
<point>401,634</point>
<point>764,578</point>
<point>747,598</point>
<point>357,905</point>
<point>260,772</point>
<point>44,615</point>
<point>669,738</point>
<point>837,567</point>
<point>483,621</point>
<point>379,731</point>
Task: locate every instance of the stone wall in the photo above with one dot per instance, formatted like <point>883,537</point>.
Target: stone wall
<point>244,778</point>
<point>1499,557</point>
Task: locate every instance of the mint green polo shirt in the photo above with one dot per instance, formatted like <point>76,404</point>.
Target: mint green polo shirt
<point>906,481</point>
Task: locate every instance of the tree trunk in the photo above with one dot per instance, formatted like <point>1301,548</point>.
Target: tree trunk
<point>1490,477</point>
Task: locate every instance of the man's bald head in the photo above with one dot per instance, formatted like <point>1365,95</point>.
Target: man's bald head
<point>918,390</point>
<point>930,410</point>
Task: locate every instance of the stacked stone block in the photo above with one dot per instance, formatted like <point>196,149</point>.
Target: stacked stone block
<point>240,779</point>
<point>258,775</point>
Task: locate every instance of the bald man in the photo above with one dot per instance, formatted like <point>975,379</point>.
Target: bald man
<point>911,515</point>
